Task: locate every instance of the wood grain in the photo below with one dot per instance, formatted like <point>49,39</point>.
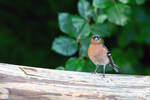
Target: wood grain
<point>47,84</point>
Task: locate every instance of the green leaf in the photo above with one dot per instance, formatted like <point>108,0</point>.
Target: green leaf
<point>124,1</point>
<point>70,24</point>
<point>101,18</point>
<point>74,64</point>
<point>84,31</point>
<point>144,35</point>
<point>101,29</point>
<point>102,3</point>
<point>65,24</point>
<point>141,16</point>
<point>139,2</point>
<point>128,56</point>
<point>65,46</point>
<point>60,68</point>
<point>127,35</point>
<point>89,66</point>
<point>117,14</point>
<point>143,24</point>
<point>77,64</point>
<point>73,25</point>
<point>84,47</point>
<point>84,9</point>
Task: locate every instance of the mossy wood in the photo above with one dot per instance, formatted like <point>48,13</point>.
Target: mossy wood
<point>47,84</point>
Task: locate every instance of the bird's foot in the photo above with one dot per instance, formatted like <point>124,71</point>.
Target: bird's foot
<point>103,75</point>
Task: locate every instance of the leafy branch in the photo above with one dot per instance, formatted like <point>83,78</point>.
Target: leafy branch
<point>93,18</point>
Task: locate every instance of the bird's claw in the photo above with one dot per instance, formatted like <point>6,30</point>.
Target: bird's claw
<point>103,75</point>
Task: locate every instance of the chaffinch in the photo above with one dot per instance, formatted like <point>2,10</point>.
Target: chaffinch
<point>100,55</point>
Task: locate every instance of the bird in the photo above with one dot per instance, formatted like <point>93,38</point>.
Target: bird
<point>100,55</point>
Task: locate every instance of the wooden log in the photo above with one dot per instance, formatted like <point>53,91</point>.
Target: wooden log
<point>47,84</point>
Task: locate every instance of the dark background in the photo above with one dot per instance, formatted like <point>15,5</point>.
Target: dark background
<point>28,27</point>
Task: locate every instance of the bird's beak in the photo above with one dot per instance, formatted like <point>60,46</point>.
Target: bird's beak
<point>96,39</point>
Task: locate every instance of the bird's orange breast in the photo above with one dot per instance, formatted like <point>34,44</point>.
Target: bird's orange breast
<point>98,54</point>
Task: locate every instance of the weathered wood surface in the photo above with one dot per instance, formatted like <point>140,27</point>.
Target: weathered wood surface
<point>46,84</point>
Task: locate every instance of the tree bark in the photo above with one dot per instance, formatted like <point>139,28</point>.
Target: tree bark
<point>29,83</point>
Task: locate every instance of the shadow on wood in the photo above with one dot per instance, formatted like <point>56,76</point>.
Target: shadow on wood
<point>47,84</point>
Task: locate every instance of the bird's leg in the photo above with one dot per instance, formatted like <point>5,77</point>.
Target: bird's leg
<point>96,69</point>
<point>104,70</point>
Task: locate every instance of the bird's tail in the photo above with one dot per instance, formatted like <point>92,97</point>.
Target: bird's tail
<point>114,66</point>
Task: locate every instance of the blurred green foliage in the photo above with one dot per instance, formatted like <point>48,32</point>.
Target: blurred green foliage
<point>28,30</point>
<point>124,20</point>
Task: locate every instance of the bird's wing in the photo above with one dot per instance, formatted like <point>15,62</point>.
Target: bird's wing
<point>111,62</point>
<point>105,48</point>
<point>108,54</point>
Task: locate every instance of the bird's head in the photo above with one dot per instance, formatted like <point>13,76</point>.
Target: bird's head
<point>96,39</point>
